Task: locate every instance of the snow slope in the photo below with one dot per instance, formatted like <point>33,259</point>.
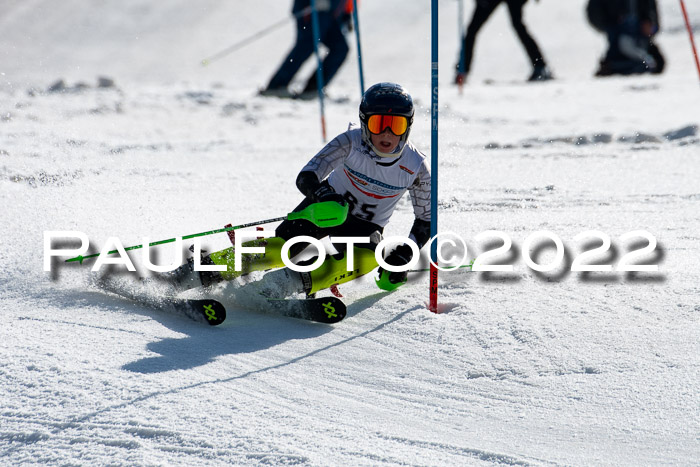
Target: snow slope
<point>522,368</point>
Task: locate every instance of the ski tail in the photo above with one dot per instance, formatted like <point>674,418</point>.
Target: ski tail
<point>207,310</point>
<point>327,310</point>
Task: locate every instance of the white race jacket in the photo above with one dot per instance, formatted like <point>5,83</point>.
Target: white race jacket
<point>373,185</point>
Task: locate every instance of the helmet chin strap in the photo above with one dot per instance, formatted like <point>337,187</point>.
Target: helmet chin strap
<point>385,155</point>
<point>397,151</point>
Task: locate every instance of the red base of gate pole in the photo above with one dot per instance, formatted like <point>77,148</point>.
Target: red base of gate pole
<point>433,304</point>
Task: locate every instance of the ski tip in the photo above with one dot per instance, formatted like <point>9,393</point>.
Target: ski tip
<point>333,310</point>
<point>327,310</point>
<point>213,312</point>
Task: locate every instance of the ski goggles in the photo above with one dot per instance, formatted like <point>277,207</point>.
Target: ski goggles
<point>398,124</point>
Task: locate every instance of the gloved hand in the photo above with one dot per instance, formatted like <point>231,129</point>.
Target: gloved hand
<point>401,255</point>
<point>325,192</point>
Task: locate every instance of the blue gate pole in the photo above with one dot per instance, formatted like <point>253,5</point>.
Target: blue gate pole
<point>433,305</point>
<point>356,20</point>
<point>315,28</point>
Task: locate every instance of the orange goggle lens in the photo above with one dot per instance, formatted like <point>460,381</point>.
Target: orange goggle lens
<point>398,124</point>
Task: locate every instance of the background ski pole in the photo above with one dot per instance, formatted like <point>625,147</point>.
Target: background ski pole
<point>690,34</point>
<point>252,38</point>
<point>315,27</point>
<point>325,214</point>
<point>356,20</point>
<point>460,31</point>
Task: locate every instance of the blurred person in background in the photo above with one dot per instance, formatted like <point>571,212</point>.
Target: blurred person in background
<point>333,19</point>
<point>630,26</point>
<point>482,12</point>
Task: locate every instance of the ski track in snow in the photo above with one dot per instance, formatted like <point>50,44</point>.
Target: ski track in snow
<point>520,368</point>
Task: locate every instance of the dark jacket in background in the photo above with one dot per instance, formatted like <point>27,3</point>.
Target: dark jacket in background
<point>630,26</point>
<point>604,14</point>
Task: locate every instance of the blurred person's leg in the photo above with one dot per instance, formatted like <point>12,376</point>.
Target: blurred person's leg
<point>540,71</point>
<point>483,10</point>
<point>658,57</point>
<point>303,48</point>
<point>338,50</point>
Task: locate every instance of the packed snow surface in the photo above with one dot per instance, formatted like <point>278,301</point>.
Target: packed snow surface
<point>521,367</point>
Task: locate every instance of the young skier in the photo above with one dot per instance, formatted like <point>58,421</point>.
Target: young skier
<point>366,169</point>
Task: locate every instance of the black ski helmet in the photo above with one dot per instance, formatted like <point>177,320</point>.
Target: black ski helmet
<point>386,99</point>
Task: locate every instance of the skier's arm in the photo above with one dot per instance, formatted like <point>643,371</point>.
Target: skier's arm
<point>420,197</point>
<point>308,184</point>
<point>330,157</point>
<point>420,231</point>
<point>309,181</point>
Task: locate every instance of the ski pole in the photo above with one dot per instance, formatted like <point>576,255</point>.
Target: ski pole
<point>411,271</point>
<point>325,214</point>
<point>315,27</point>
<point>356,20</point>
<point>186,237</point>
<point>690,34</point>
<point>251,38</point>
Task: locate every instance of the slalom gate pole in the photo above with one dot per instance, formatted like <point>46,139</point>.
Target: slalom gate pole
<point>690,34</point>
<point>315,27</point>
<point>356,21</point>
<point>252,38</point>
<point>433,303</point>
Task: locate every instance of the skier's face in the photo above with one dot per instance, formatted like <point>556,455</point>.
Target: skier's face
<point>386,141</point>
